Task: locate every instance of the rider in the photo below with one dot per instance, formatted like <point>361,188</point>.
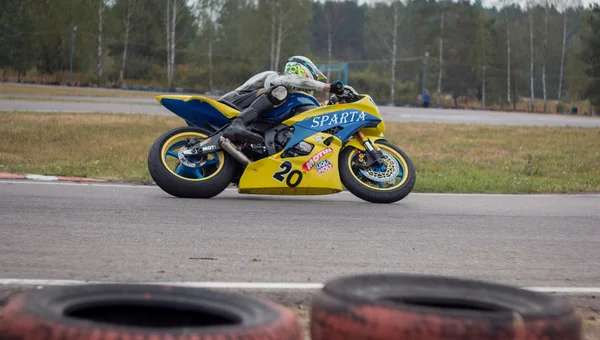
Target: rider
<point>269,89</point>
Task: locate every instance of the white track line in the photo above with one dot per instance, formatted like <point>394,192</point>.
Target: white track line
<point>254,285</point>
<point>35,177</point>
<point>86,184</point>
<point>224,285</point>
<point>108,185</point>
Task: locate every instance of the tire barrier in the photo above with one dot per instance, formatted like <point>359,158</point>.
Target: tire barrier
<point>399,307</point>
<point>374,307</point>
<point>111,312</point>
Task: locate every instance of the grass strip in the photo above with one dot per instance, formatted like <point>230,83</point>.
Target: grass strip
<point>448,157</point>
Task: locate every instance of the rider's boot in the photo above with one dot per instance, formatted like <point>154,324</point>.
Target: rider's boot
<point>238,130</point>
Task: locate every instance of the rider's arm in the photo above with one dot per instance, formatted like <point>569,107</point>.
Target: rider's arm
<point>298,82</point>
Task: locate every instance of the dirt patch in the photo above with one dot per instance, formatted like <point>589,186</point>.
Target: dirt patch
<point>302,314</point>
<point>591,323</point>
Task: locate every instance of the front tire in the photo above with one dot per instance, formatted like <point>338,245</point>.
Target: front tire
<point>371,185</point>
<point>204,181</point>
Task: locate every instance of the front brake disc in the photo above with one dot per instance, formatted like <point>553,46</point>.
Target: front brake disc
<point>391,169</point>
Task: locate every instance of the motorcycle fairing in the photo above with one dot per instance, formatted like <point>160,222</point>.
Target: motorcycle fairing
<point>289,175</point>
<point>198,110</point>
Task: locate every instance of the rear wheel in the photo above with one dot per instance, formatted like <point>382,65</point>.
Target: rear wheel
<point>386,183</point>
<point>188,176</point>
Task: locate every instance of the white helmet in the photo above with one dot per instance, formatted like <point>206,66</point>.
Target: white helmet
<point>304,67</point>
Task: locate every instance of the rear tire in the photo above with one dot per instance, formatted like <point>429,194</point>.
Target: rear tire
<point>178,185</point>
<point>350,178</point>
<point>418,307</point>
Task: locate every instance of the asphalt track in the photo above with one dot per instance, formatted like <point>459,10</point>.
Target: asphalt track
<point>391,114</point>
<point>118,233</point>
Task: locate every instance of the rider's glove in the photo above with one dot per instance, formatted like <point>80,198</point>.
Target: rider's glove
<point>336,87</point>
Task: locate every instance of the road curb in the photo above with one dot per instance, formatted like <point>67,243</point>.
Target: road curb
<point>36,177</point>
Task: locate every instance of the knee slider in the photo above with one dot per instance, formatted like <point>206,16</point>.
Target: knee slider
<point>277,95</point>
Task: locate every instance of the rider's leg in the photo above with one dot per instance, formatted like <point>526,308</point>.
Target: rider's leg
<point>266,101</point>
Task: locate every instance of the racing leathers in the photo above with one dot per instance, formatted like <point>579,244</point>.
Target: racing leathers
<point>263,92</point>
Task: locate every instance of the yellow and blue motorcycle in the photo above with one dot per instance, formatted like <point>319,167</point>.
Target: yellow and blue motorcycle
<point>308,149</point>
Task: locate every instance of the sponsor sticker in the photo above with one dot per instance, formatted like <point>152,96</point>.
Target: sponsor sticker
<point>337,119</point>
<point>324,166</point>
<point>316,158</point>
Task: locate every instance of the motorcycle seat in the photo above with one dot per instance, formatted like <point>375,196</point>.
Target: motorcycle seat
<point>231,105</point>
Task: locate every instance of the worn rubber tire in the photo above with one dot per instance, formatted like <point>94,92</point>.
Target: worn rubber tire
<point>178,187</point>
<point>402,307</point>
<point>372,195</point>
<point>189,313</point>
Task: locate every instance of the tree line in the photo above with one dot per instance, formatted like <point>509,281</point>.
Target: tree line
<point>526,55</point>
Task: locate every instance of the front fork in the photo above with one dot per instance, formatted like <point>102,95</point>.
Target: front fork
<point>374,155</point>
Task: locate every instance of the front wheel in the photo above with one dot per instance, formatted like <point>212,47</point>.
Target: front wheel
<point>187,176</point>
<point>387,183</point>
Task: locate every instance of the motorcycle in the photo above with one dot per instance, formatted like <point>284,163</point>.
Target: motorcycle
<point>308,149</point>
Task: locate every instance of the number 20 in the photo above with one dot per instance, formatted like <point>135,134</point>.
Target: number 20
<point>286,167</point>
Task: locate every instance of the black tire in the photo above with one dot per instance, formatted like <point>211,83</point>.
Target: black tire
<point>179,187</point>
<point>361,191</point>
<point>399,307</point>
<point>111,312</point>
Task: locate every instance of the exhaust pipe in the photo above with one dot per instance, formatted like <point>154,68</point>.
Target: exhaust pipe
<point>233,151</point>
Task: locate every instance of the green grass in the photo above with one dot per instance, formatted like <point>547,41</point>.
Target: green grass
<point>501,159</point>
<point>112,147</point>
<point>448,158</point>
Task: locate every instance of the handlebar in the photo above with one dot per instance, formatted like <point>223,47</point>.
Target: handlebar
<point>346,97</point>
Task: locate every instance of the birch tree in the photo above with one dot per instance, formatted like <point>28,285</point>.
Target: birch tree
<point>484,38</point>
<point>385,20</point>
<point>506,4</point>
<point>272,4</point>
<point>334,16</point>
<point>100,21</point>
<point>174,8</point>
<point>441,70</point>
<point>564,5</point>
<point>209,11</point>
<point>395,5</point>
<point>168,41</point>
<point>177,8</point>
<point>285,15</point>
<point>531,7</point>
<point>545,53</point>
<point>132,6</point>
